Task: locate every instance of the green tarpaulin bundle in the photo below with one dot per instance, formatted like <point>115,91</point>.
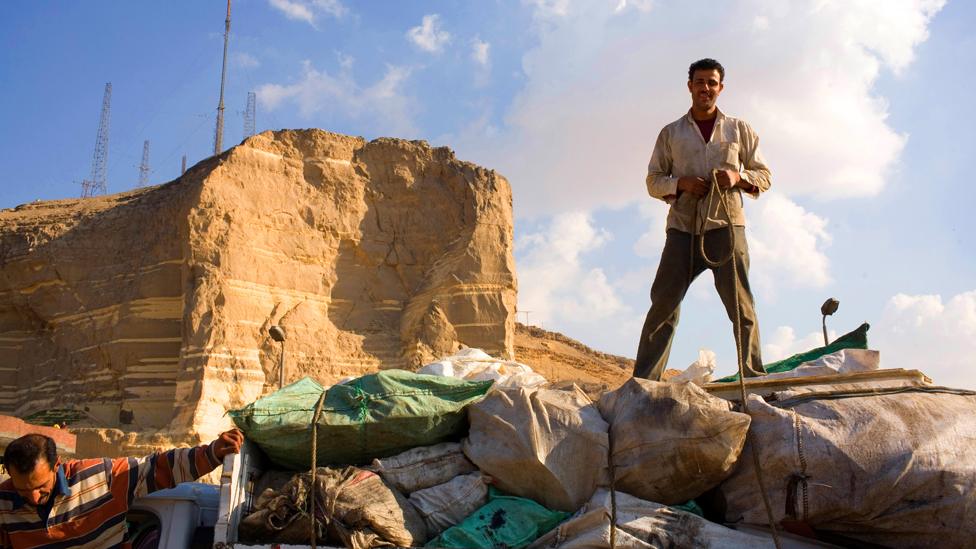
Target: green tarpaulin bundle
<point>505,521</point>
<point>856,339</point>
<point>375,416</point>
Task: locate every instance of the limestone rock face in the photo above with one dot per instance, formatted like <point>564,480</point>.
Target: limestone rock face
<point>150,309</point>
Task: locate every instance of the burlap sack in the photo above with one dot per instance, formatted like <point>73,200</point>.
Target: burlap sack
<point>671,441</point>
<point>642,525</point>
<point>543,444</point>
<point>424,467</point>
<point>893,467</point>
<point>448,504</point>
<point>353,506</point>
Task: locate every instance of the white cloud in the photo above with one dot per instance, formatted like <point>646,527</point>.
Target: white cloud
<point>480,52</point>
<point>545,9</point>
<point>639,5</point>
<point>598,88</point>
<point>786,246</point>
<point>245,60</point>
<point>382,106</point>
<point>429,36</point>
<point>307,10</point>
<point>553,282</point>
<point>653,216</point>
<point>926,333</point>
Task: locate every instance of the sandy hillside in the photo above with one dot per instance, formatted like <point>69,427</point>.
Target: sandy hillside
<point>559,358</point>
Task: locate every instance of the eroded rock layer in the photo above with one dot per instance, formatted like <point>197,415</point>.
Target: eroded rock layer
<point>150,309</point>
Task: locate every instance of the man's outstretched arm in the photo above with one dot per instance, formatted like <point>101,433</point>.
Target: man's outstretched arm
<point>167,469</point>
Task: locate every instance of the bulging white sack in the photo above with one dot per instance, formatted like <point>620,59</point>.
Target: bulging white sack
<point>476,365</point>
<point>447,504</point>
<point>893,467</point>
<point>423,467</point>
<point>671,441</point>
<point>543,444</point>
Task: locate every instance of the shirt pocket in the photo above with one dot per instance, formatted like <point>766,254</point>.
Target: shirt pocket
<point>728,155</point>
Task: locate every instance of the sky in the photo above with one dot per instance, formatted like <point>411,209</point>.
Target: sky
<point>863,109</point>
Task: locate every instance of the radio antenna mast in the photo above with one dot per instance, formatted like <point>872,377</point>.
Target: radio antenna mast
<point>219,137</point>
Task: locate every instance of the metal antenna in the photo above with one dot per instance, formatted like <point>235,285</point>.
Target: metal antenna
<point>96,183</point>
<point>144,166</point>
<point>249,112</point>
<point>219,137</point>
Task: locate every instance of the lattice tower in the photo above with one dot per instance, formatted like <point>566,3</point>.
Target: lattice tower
<point>97,183</point>
<point>144,165</point>
<point>249,112</point>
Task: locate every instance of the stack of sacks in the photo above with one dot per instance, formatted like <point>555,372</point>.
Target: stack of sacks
<point>443,485</point>
<point>353,507</point>
<point>476,365</point>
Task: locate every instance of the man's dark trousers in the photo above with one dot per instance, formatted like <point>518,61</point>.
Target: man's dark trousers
<point>671,284</point>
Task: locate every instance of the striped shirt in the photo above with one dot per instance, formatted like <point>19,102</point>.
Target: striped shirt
<point>91,497</point>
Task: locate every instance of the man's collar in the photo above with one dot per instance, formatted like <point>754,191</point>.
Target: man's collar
<point>60,488</point>
<point>719,115</point>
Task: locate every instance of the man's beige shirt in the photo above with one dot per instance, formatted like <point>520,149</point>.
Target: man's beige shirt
<point>682,151</point>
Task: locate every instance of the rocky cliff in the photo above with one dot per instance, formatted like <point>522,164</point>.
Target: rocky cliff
<point>150,310</point>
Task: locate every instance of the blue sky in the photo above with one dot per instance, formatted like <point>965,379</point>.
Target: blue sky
<point>863,110</point>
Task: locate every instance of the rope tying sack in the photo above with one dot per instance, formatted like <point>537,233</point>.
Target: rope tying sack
<point>314,491</point>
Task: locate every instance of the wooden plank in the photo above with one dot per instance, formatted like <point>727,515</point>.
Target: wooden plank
<point>891,377</point>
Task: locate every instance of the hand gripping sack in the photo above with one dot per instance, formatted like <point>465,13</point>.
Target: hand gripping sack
<point>543,444</point>
<point>671,441</point>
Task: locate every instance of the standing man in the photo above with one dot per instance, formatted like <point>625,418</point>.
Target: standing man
<point>48,502</point>
<point>680,173</point>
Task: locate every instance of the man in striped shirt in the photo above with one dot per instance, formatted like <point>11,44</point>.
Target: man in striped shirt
<point>49,502</point>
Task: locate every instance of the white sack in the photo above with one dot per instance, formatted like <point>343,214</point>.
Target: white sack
<point>543,444</point>
<point>844,361</point>
<point>700,371</point>
<point>893,467</point>
<point>671,441</point>
<point>476,365</point>
<point>448,504</point>
<point>423,467</point>
<point>640,525</point>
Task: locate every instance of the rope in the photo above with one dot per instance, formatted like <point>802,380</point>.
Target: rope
<point>315,445</point>
<point>723,195</point>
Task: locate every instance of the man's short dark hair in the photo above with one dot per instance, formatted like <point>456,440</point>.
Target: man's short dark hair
<point>707,64</point>
<point>23,454</point>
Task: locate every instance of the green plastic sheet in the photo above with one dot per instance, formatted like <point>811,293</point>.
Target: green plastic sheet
<point>505,521</point>
<point>375,416</point>
<point>856,339</point>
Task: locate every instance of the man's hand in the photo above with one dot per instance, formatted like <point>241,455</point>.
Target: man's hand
<point>728,179</point>
<point>229,442</point>
<point>694,185</point>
